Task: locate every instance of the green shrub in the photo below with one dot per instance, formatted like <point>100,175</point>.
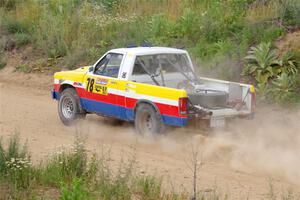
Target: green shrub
<point>148,188</point>
<point>160,28</point>
<point>276,75</point>
<point>15,163</point>
<point>13,151</point>
<point>8,4</point>
<point>19,172</point>
<point>23,68</point>
<point>116,186</point>
<point>73,60</point>
<point>289,64</point>
<point>263,63</point>
<point>11,25</point>
<point>94,54</point>
<point>263,91</point>
<point>2,59</point>
<point>22,39</point>
<point>64,166</point>
<point>75,191</point>
<point>109,5</point>
<point>2,64</point>
<point>291,13</point>
<point>49,35</point>
<point>271,33</point>
<point>284,89</point>
<point>187,24</point>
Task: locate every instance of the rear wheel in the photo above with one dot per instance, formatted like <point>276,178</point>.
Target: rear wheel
<point>148,120</point>
<point>69,107</point>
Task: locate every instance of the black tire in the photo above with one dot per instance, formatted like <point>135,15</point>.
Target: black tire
<point>147,120</point>
<point>69,108</point>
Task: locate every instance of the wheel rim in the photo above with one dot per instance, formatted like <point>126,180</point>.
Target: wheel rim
<point>67,107</point>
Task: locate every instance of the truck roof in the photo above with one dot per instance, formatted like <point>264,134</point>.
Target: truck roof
<point>148,50</point>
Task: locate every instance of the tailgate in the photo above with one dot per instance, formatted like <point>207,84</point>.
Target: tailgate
<point>241,97</point>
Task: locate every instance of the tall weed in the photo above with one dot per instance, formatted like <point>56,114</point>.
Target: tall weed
<point>15,163</point>
<point>64,165</point>
<point>75,191</point>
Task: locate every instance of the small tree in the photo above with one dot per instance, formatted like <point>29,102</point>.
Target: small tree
<point>284,89</point>
<point>275,75</point>
<point>262,63</point>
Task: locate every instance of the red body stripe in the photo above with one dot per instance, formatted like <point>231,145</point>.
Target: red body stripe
<point>120,100</point>
<point>56,87</point>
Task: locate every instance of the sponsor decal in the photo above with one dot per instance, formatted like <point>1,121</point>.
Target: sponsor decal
<point>101,89</point>
<point>77,84</point>
<point>101,81</point>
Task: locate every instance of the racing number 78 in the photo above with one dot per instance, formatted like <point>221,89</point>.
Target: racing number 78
<point>90,84</point>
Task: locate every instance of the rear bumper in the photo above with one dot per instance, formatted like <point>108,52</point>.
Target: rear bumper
<point>224,113</point>
<point>205,122</point>
<point>230,113</point>
<point>54,94</point>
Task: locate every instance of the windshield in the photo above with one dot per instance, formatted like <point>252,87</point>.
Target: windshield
<point>164,68</point>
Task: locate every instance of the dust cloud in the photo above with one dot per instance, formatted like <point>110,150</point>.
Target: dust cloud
<point>268,145</point>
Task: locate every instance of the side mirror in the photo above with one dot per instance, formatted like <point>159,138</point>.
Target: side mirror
<point>91,69</point>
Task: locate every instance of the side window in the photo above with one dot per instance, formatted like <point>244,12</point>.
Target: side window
<point>144,65</point>
<point>138,69</point>
<point>109,65</point>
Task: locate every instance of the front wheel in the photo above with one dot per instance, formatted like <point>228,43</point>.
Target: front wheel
<point>148,120</point>
<point>69,107</point>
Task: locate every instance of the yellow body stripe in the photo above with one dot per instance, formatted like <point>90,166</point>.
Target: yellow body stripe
<point>123,85</point>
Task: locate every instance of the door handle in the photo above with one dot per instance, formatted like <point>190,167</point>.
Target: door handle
<point>131,86</point>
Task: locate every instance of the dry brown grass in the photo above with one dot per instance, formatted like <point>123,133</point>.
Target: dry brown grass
<point>290,42</point>
<point>172,8</point>
<point>263,12</point>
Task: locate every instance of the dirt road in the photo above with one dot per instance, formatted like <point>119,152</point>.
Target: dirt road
<point>240,161</point>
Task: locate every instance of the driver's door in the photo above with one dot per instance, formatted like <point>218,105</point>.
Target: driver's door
<point>100,84</point>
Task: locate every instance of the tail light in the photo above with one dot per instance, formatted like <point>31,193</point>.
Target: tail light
<point>183,108</point>
<point>253,98</point>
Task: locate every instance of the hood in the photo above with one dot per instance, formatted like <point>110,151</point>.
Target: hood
<point>82,69</point>
<point>72,75</point>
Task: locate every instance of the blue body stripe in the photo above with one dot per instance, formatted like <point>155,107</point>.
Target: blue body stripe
<point>55,95</point>
<point>174,121</point>
<point>125,113</point>
<point>103,108</point>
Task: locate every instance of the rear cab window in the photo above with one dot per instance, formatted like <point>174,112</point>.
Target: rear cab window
<point>152,69</point>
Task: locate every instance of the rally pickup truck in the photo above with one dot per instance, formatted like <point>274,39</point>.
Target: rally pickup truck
<point>154,87</point>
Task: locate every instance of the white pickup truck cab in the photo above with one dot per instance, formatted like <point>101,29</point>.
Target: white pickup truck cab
<point>153,87</point>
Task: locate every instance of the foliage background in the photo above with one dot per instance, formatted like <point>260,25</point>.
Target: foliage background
<point>217,33</point>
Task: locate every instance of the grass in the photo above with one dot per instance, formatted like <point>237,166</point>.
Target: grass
<point>2,60</point>
<point>2,65</point>
<point>70,174</point>
<point>21,39</point>
<point>13,26</point>
<point>23,68</point>
<point>2,57</point>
